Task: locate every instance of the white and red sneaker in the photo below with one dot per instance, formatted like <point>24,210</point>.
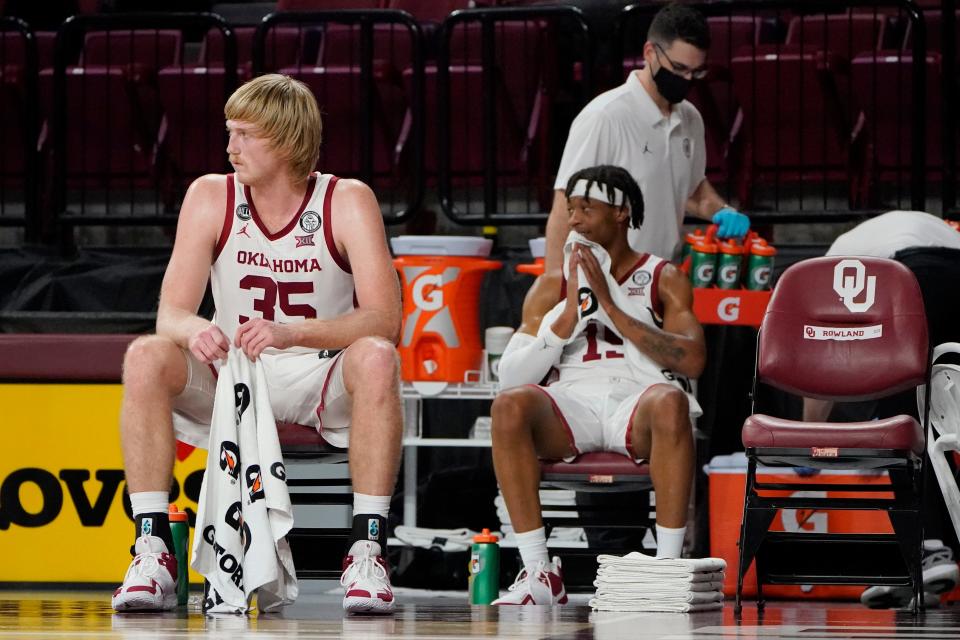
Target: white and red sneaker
<point>366,580</point>
<point>151,580</point>
<point>543,585</point>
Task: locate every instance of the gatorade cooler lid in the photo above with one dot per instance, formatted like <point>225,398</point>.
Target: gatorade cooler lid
<point>485,536</point>
<point>468,246</point>
<point>175,514</point>
<point>538,247</point>
<point>731,247</point>
<point>761,248</point>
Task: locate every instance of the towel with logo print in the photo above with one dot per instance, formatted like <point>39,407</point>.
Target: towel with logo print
<point>244,513</point>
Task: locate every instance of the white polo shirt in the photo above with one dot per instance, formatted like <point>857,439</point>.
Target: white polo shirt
<point>665,155</point>
<point>886,234</point>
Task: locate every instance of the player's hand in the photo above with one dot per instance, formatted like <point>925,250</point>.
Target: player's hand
<point>256,334</point>
<point>731,223</point>
<point>209,344</point>
<point>564,325</point>
<point>596,278</point>
<point>572,305</point>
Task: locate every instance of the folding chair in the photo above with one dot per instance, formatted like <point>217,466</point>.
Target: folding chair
<point>599,472</point>
<point>838,329</point>
<point>321,492</point>
<point>943,432</point>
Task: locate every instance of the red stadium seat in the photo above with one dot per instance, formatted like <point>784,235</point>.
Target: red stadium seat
<point>111,138</point>
<point>520,81</point>
<point>327,5</point>
<point>933,19</point>
<point>845,35</point>
<point>888,127</point>
<point>392,48</point>
<point>428,10</point>
<point>798,122</point>
<point>338,91</point>
<point>192,138</point>
<point>14,105</point>
<point>838,329</point>
<point>149,49</point>
<point>282,48</point>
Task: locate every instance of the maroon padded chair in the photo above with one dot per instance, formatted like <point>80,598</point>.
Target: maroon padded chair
<point>597,472</point>
<point>839,329</point>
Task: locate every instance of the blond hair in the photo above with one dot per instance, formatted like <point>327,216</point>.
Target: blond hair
<point>287,114</point>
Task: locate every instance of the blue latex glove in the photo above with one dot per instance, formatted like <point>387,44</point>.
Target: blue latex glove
<point>731,223</point>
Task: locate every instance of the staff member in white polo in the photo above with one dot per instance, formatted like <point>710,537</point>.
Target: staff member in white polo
<point>647,127</point>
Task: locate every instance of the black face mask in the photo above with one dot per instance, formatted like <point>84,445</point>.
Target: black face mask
<point>672,87</point>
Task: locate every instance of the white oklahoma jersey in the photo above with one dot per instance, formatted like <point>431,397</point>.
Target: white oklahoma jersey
<point>599,349</point>
<point>287,276</point>
<point>597,391</point>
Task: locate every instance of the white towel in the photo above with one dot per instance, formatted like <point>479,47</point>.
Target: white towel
<point>651,606</point>
<point>653,588</point>
<point>244,511</point>
<point>683,598</point>
<point>640,562</point>
<point>447,540</point>
<point>637,582</point>
<point>614,574</point>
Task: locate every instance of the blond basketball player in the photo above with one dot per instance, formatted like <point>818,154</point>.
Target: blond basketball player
<point>302,280</point>
<point>621,383</point>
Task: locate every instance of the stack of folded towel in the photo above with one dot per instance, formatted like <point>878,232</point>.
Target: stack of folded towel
<point>636,582</point>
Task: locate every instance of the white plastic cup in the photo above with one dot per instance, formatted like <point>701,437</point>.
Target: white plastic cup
<point>495,341</point>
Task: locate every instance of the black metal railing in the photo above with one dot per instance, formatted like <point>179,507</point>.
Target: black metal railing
<point>499,72</point>
<point>19,130</point>
<point>99,141</point>
<point>366,70</point>
<point>795,135</point>
<point>110,116</point>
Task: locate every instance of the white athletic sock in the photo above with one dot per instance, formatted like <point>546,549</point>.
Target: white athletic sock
<point>533,547</point>
<point>670,542</point>
<point>149,502</point>
<point>371,505</point>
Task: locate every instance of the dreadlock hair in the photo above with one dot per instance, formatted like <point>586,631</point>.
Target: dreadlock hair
<point>609,177</point>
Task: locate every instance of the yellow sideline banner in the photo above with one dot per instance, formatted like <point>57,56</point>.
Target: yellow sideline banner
<point>62,484</point>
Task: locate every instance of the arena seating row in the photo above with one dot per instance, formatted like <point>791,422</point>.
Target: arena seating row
<point>790,99</point>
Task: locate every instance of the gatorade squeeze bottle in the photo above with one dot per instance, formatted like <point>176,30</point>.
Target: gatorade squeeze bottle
<point>484,581</point>
<point>728,267</point>
<point>181,534</point>
<point>761,266</point>
<point>690,239</point>
<point>703,259</point>
<point>748,240</point>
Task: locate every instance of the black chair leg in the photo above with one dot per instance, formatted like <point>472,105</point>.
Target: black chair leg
<point>753,529</point>
<point>908,526</point>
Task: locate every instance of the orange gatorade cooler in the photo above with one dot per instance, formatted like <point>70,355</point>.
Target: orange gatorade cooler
<point>441,278</point>
<point>538,248</point>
